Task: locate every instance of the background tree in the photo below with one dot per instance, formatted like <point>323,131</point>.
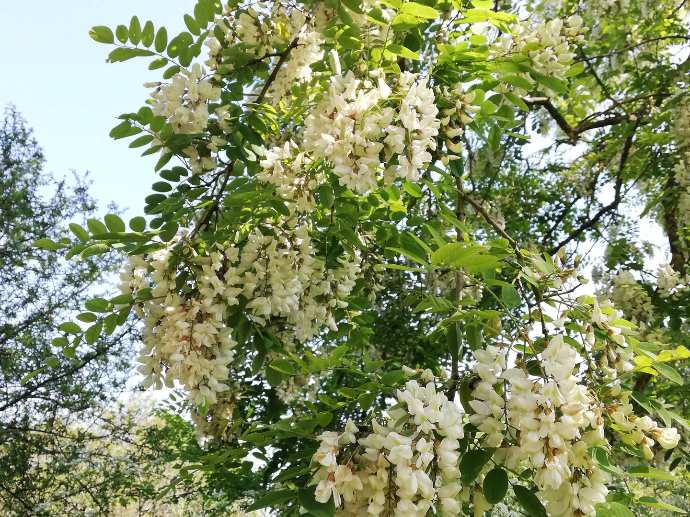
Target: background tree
<point>44,388</point>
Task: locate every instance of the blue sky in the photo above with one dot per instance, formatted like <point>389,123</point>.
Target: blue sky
<point>58,78</point>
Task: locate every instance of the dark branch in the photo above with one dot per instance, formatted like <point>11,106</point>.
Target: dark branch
<point>573,132</point>
<point>613,205</point>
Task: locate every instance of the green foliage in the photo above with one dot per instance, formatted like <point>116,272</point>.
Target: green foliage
<point>538,154</point>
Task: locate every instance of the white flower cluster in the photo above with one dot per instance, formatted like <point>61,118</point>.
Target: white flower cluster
<point>546,424</point>
<point>298,70</point>
<point>602,6</point>
<point>289,171</point>
<point>266,31</point>
<point>278,276</point>
<point>184,101</point>
<point>489,407</point>
<point>643,431</point>
<point>682,177</point>
<point>306,388</point>
<point>445,283</point>
<point>207,159</point>
<point>682,126</point>
<point>184,340</point>
<point>460,113</point>
<point>359,125</point>
<point>281,276</point>
<point>404,468</point>
<point>216,421</point>
<point>259,29</point>
<point>681,132</point>
<point>547,44</point>
<point>669,281</point>
<point>617,357</point>
<point>629,296</point>
<point>253,31</point>
<point>639,430</point>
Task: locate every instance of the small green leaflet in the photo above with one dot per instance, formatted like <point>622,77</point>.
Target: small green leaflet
<point>495,485</point>
<point>419,10</point>
<point>473,462</point>
<point>644,471</point>
<point>613,509</point>
<point>653,502</point>
<point>470,256</point>
<point>102,34</point>
<point>272,498</point>
<point>529,501</point>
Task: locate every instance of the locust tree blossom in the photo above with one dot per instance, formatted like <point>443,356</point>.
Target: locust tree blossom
<point>184,101</point>
<point>547,44</point>
<point>416,449</point>
<point>358,127</point>
<point>324,146</point>
<point>297,70</point>
<point>548,421</point>
<point>273,277</point>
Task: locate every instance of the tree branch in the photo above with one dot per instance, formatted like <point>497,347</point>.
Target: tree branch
<point>274,73</point>
<point>617,198</point>
<point>633,47</point>
<point>30,390</point>
<point>573,132</point>
<point>490,220</point>
<point>211,210</point>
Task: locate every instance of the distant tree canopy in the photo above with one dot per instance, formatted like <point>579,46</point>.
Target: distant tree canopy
<point>44,387</point>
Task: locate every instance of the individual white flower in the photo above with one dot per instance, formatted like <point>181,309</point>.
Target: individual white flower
<point>668,437</point>
<point>349,435</point>
<point>401,454</point>
<point>325,489</point>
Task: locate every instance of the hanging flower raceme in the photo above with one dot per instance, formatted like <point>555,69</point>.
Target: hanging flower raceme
<point>184,101</point>
<point>362,134</point>
<point>405,466</point>
<point>542,423</point>
<point>185,338</point>
<point>631,298</point>
<point>358,127</point>
<point>670,282</point>
<point>281,276</point>
<point>258,30</point>
<point>458,111</point>
<point>283,36</point>
<point>548,44</point>
<point>547,421</point>
<point>292,174</point>
<point>277,279</point>
<point>297,70</point>
<point>681,133</point>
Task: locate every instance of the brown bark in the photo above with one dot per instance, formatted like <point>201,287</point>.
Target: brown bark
<point>675,241</point>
